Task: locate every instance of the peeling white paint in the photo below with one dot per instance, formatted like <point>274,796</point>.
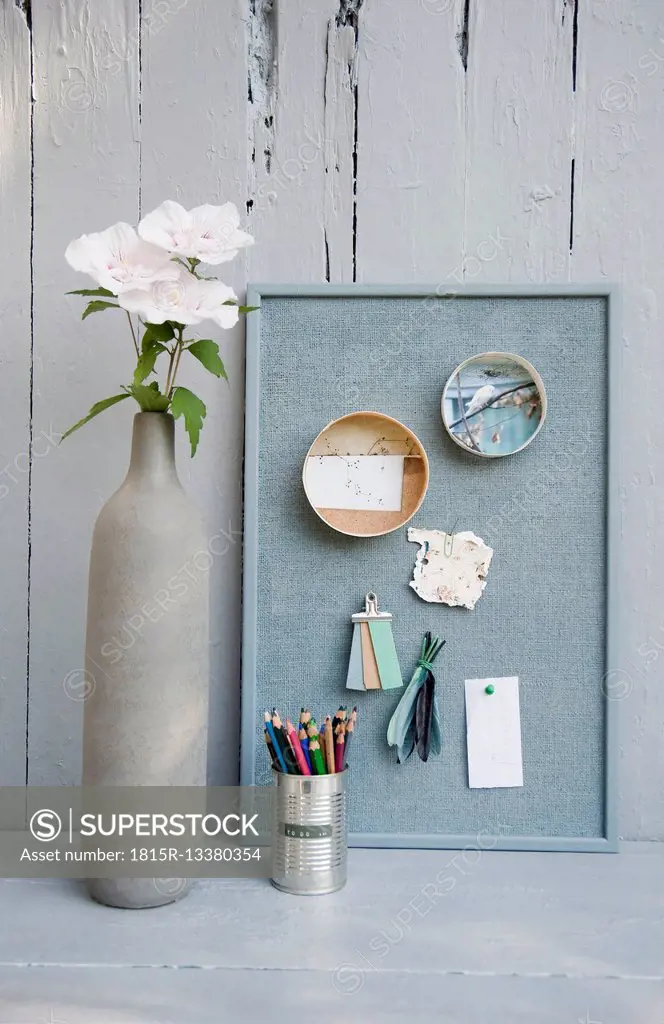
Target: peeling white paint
<point>261,91</point>
<point>520,139</point>
<point>537,196</point>
<point>340,132</point>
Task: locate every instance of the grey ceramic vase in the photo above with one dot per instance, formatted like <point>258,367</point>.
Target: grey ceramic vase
<point>147,656</point>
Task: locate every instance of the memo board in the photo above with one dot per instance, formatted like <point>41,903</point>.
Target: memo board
<point>318,352</point>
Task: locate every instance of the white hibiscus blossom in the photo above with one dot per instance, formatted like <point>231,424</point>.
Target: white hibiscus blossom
<point>187,300</point>
<point>207,233</point>
<point>151,275</point>
<point>117,259</point>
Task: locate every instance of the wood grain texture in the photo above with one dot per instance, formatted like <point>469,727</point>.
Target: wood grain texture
<point>411,148</point>
<point>15,290</point>
<point>288,146</point>
<point>619,235</point>
<point>340,127</point>
<point>85,178</point>
<point>519,142</point>
<point>194,150</point>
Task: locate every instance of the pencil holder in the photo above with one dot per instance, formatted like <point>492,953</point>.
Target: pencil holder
<point>309,839</point>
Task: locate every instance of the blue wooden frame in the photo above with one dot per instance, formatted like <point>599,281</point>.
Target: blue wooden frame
<point>607,844</point>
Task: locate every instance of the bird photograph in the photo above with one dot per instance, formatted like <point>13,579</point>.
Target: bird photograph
<point>480,398</point>
<point>492,405</point>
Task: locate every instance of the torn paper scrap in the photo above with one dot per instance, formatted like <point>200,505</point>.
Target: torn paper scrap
<point>493,727</point>
<point>371,482</point>
<point>450,568</point>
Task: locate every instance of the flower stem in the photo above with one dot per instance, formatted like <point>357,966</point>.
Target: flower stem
<point>133,336</point>
<point>176,355</point>
<point>171,357</point>
<point>179,349</point>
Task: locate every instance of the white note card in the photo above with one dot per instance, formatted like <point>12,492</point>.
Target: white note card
<point>370,482</point>
<point>493,727</point>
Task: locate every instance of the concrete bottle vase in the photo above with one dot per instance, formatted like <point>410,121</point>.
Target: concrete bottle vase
<point>147,659</point>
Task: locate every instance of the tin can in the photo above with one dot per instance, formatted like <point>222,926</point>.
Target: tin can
<point>309,835</point>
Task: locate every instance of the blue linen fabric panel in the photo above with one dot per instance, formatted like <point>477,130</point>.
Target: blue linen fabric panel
<point>542,615</point>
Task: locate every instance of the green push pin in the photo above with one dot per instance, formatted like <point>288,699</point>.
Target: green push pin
<point>490,689</point>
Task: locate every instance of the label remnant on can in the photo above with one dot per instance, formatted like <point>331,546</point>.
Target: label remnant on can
<point>306,831</point>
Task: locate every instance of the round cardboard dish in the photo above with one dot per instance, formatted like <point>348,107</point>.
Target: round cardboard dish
<point>371,433</point>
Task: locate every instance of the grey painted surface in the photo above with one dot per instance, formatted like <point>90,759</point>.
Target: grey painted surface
<point>618,160</point>
<point>424,936</point>
<point>15,323</point>
<point>97,996</point>
<point>464,137</point>
<point>525,914</point>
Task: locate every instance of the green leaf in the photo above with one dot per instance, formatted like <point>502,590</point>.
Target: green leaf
<point>158,332</point>
<point>240,309</point>
<point>147,360</point>
<point>207,353</point>
<point>186,403</point>
<point>101,292</point>
<point>97,306</point>
<point>149,397</point>
<point>98,407</point>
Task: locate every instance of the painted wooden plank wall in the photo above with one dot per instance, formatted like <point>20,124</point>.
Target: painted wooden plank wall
<point>86,175</point>
<point>369,140</point>
<point>618,233</point>
<point>203,158</point>
<point>15,437</point>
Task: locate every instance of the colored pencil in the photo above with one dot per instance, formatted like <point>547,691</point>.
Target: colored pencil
<point>307,750</point>
<point>284,743</point>
<point>297,749</point>
<point>339,748</point>
<point>339,717</point>
<point>350,729</point>
<point>269,728</point>
<point>289,754</point>
<point>304,743</point>
<point>317,761</point>
<point>315,750</point>
<point>270,749</point>
<point>322,739</point>
<point>329,745</point>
